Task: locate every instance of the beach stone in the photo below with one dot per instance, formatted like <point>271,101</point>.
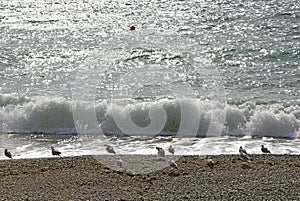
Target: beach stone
<point>69,179</point>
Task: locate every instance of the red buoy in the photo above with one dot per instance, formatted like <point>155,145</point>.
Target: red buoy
<point>132,28</point>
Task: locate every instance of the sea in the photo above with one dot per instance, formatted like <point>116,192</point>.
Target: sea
<point>205,76</point>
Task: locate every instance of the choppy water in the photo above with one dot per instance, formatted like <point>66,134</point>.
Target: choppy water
<point>227,71</point>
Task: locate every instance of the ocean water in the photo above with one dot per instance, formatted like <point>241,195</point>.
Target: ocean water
<point>203,76</point>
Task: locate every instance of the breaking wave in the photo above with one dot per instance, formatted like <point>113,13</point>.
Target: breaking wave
<point>55,116</point>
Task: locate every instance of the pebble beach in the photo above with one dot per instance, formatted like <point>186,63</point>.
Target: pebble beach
<point>205,77</point>
<point>266,177</point>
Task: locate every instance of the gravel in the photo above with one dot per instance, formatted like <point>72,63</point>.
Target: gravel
<point>266,177</point>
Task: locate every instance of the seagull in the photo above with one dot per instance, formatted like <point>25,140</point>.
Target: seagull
<point>210,162</point>
<point>242,150</point>
<point>171,150</point>
<point>244,157</point>
<point>160,152</point>
<point>110,149</point>
<point>120,163</point>
<point>55,152</point>
<point>172,163</point>
<point>7,153</point>
<point>265,149</point>
<point>243,154</point>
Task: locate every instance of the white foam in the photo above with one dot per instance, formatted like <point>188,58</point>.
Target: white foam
<point>55,115</point>
<point>267,123</point>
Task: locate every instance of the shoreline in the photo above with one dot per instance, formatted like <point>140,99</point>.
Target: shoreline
<point>85,178</point>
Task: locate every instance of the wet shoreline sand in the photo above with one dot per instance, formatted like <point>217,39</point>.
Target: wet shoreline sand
<point>275,177</point>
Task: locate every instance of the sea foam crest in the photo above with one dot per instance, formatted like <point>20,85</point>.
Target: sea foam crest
<point>13,99</point>
<point>39,114</point>
<point>54,115</point>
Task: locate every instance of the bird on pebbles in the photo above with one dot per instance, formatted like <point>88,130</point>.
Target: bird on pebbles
<point>160,152</point>
<point>7,153</point>
<point>210,162</point>
<point>171,150</point>
<point>243,155</point>
<point>242,150</point>
<point>172,163</point>
<point>265,149</point>
<point>110,149</point>
<point>55,152</point>
<point>120,163</point>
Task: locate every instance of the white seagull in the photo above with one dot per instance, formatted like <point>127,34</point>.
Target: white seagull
<point>172,163</point>
<point>210,162</point>
<point>160,152</point>
<point>171,149</point>
<point>120,163</point>
<point>242,150</point>
<point>243,155</point>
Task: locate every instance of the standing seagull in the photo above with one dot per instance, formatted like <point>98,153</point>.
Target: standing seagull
<point>160,152</point>
<point>265,149</point>
<point>110,149</point>
<point>210,162</point>
<point>7,153</point>
<point>243,155</point>
<point>242,150</point>
<point>55,152</point>
<point>171,150</point>
<point>120,163</point>
<point>172,163</point>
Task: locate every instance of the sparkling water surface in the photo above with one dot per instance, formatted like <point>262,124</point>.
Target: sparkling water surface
<point>233,62</point>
